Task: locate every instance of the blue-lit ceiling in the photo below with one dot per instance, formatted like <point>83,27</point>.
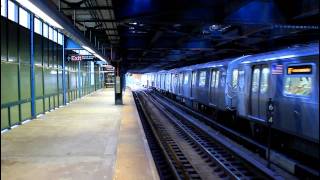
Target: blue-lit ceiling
<point>164,34</point>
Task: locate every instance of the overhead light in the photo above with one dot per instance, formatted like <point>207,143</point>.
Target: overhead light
<point>38,12</point>
<point>89,49</point>
<point>101,58</point>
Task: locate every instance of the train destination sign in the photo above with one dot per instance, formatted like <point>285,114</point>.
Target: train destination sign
<point>304,69</point>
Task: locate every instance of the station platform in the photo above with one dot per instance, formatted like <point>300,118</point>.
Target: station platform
<point>88,139</point>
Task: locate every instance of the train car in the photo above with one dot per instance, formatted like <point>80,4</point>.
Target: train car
<point>290,79</point>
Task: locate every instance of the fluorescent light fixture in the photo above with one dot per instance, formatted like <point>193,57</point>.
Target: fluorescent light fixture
<point>101,58</point>
<point>35,10</point>
<point>89,49</point>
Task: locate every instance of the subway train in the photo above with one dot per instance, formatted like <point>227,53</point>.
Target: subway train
<point>243,87</point>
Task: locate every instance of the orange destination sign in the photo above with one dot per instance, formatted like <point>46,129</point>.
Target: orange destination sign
<point>304,69</point>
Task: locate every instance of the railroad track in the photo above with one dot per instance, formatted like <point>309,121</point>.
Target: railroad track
<point>193,151</point>
<point>277,158</point>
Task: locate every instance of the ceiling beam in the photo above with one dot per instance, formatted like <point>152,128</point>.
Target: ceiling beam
<point>87,8</point>
<point>96,20</point>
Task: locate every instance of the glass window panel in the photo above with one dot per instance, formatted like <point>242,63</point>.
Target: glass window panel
<point>213,78</point>
<point>3,8</point>
<point>264,80</point>
<point>12,11</point>
<point>202,78</point>
<point>194,76</point>
<point>255,80</point>
<point>24,18</point>
<point>186,78</point>
<point>300,86</point>
<point>55,36</point>
<point>60,39</point>
<point>50,33</point>
<point>217,79</point>
<point>241,80</point>
<point>37,26</point>
<point>181,78</point>
<point>235,73</point>
<point>45,30</point>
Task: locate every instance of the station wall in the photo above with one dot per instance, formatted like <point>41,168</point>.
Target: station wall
<point>81,78</point>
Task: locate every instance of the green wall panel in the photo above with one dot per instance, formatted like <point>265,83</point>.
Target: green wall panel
<point>38,81</point>
<point>24,45</point>
<point>51,102</point>
<point>38,49</point>
<point>50,76</point>
<point>25,81</point>
<point>12,41</point>
<point>56,100</point>
<point>46,104</point>
<point>60,99</point>
<point>4,118</point>
<point>39,106</point>
<point>26,111</point>
<point>3,40</point>
<point>14,113</point>
<point>9,83</point>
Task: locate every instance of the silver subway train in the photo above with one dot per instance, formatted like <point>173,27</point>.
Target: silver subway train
<point>243,86</point>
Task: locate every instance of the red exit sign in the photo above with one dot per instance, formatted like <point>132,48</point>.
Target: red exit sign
<point>76,58</point>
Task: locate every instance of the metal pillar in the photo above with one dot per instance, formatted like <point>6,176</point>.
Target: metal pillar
<point>32,71</point>
<point>64,85</point>
<point>118,85</point>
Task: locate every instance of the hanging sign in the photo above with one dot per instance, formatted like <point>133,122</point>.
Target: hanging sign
<point>74,58</point>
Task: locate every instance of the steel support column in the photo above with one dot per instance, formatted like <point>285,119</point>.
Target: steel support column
<point>64,85</point>
<point>32,71</point>
<point>118,85</point>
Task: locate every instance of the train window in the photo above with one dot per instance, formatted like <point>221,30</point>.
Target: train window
<point>241,80</point>
<point>235,73</point>
<point>186,78</point>
<point>4,8</point>
<point>12,11</point>
<point>217,79</point>
<point>194,77</point>
<point>202,78</point>
<point>24,18</point>
<point>300,86</point>
<point>213,78</point>
<point>255,80</point>
<point>264,80</point>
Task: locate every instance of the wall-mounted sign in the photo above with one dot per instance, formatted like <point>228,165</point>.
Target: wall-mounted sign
<point>87,57</point>
<point>302,69</point>
<point>74,58</point>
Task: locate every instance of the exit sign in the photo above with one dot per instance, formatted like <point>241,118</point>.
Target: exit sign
<point>76,58</point>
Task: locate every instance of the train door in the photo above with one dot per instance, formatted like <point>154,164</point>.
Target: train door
<point>193,83</point>
<point>259,91</point>
<point>215,74</point>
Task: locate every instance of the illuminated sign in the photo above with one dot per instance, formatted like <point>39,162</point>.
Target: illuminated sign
<point>303,69</point>
<point>76,58</point>
<point>276,69</point>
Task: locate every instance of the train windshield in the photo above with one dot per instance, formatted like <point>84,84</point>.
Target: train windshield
<point>300,86</point>
<point>298,81</point>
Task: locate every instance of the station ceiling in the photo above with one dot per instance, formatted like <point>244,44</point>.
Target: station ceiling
<point>150,35</point>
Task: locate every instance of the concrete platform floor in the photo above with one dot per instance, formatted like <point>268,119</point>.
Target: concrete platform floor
<point>89,139</point>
